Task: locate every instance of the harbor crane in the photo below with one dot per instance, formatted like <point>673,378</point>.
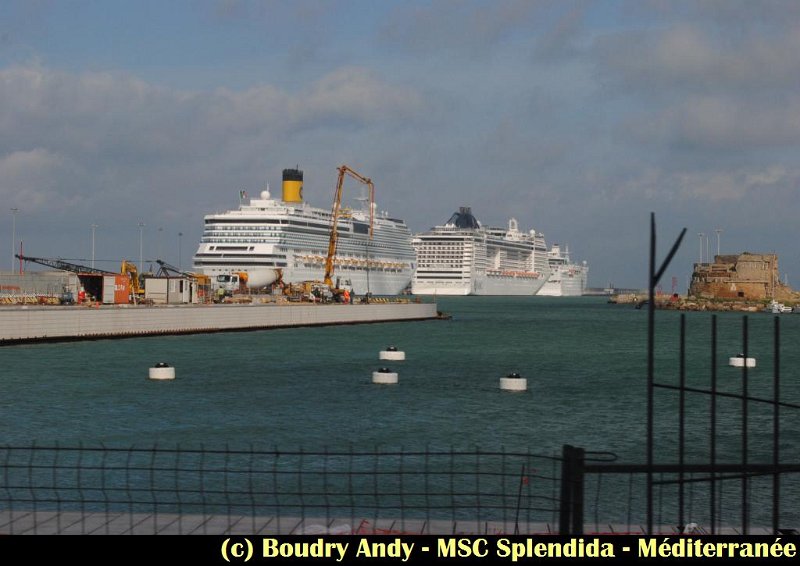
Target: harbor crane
<point>80,270</point>
<point>64,265</point>
<point>335,212</point>
<point>203,281</point>
<point>166,270</point>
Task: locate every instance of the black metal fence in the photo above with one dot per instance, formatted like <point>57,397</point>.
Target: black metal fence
<point>699,475</point>
<point>178,490</point>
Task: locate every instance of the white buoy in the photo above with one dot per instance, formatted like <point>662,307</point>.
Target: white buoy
<point>384,376</point>
<point>392,353</point>
<point>739,362</point>
<point>162,371</point>
<point>513,382</point>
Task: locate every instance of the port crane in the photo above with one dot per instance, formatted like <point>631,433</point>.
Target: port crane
<point>64,265</point>
<point>83,269</point>
<point>344,170</point>
<point>167,270</point>
<point>203,281</point>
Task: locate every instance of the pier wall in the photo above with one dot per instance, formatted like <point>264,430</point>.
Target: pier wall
<point>31,324</point>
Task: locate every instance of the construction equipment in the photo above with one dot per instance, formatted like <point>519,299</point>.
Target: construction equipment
<point>167,270</point>
<point>226,284</point>
<point>64,265</point>
<point>88,276</point>
<point>129,268</point>
<point>335,212</point>
<point>203,281</point>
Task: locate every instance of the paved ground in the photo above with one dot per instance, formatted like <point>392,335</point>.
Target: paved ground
<point>75,522</point>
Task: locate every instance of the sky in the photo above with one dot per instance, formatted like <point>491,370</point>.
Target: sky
<point>577,118</point>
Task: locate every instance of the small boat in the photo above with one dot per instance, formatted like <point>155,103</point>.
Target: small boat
<point>775,307</point>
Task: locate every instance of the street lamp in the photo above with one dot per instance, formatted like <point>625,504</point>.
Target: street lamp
<point>160,241</point>
<point>368,291</point>
<point>180,235</point>
<point>94,227</point>
<point>701,246</point>
<point>141,262</point>
<point>13,235</point>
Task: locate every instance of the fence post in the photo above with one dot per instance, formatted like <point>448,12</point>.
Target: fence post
<point>570,520</point>
<point>565,505</point>
<point>577,491</point>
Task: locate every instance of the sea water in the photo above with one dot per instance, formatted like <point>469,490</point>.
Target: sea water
<point>585,362</point>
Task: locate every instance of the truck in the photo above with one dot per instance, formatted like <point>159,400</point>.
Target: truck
<point>226,284</point>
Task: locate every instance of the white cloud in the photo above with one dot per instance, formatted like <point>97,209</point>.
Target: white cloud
<point>124,129</point>
<point>688,57</point>
<point>30,178</point>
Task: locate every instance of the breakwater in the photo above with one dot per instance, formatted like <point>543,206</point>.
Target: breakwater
<point>49,323</point>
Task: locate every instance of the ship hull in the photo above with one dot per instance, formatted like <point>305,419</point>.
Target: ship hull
<point>481,285</point>
<point>564,284</point>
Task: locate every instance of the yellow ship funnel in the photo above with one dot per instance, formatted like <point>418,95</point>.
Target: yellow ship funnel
<point>292,185</point>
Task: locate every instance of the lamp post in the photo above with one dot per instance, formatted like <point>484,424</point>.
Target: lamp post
<point>701,246</point>
<point>160,241</point>
<point>180,266</point>
<point>141,262</point>
<point>13,235</point>
<point>94,227</point>
<point>368,291</point>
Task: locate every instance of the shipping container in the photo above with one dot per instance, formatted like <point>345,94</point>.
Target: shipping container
<point>116,289</point>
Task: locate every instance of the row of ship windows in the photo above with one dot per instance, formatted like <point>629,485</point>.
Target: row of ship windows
<point>423,254</point>
<point>216,263</point>
<point>305,242</point>
<point>398,235</point>
<point>440,249</point>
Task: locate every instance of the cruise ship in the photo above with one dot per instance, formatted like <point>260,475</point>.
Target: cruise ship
<point>269,238</point>
<point>462,257</point>
<point>566,279</point>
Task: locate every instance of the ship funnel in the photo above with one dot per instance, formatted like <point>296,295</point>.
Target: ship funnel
<point>292,185</point>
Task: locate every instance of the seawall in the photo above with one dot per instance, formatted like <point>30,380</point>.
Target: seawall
<point>61,323</point>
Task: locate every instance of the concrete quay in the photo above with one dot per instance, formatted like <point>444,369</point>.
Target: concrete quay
<point>27,324</point>
<point>53,522</point>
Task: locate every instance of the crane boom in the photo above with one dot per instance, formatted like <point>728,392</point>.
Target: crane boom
<point>165,269</point>
<point>337,202</point>
<point>64,265</point>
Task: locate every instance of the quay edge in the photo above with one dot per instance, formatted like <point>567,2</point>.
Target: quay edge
<point>27,324</point>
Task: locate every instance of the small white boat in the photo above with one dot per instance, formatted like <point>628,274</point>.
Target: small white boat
<point>775,307</point>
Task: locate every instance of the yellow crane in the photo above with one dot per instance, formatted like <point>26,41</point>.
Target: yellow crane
<point>337,202</point>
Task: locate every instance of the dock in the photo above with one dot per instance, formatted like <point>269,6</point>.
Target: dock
<point>26,324</point>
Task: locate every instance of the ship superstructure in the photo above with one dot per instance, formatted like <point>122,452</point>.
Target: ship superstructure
<point>461,257</point>
<point>566,279</point>
<point>265,235</point>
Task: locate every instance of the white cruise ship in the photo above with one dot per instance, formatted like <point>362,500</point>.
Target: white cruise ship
<point>265,235</point>
<point>464,258</point>
<point>566,279</point>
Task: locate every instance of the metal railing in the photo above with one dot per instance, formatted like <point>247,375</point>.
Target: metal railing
<point>180,490</point>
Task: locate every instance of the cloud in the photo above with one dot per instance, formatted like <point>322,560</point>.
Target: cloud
<point>734,185</point>
<point>473,26</point>
<point>719,123</point>
<point>30,179</point>
<point>686,57</point>
<point>116,123</point>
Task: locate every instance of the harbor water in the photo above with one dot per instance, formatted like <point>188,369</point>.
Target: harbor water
<point>585,361</point>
